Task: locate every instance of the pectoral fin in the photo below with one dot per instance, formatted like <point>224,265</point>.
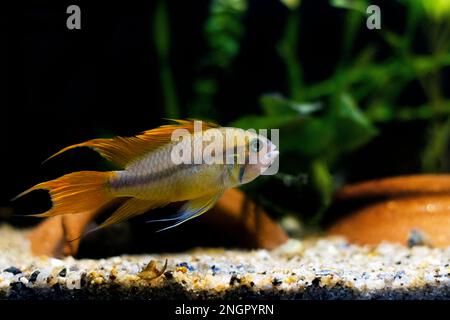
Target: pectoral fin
<point>192,209</point>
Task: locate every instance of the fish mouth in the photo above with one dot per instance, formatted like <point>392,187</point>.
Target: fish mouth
<point>274,154</point>
<point>269,158</point>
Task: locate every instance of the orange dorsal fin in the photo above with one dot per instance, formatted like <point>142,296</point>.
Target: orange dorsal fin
<point>123,150</point>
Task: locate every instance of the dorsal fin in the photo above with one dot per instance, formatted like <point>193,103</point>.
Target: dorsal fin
<point>123,150</point>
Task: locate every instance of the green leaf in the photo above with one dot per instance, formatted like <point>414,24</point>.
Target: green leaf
<point>276,104</point>
<point>323,183</point>
<point>343,128</point>
<point>352,127</point>
<point>380,112</point>
<point>307,136</point>
<point>311,138</point>
<point>358,5</point>
<point>394,40</point>
<point>438,10</point>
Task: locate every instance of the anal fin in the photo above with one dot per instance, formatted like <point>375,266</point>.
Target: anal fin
<point>129,209</point>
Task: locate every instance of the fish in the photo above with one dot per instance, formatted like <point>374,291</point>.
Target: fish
<point>188,161</point>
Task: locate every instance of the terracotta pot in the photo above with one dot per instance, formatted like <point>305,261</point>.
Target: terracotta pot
<point>408,210</point>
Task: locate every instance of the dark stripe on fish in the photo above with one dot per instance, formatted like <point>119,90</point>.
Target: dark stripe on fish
<point>125,181</point>
<point>241,173</point>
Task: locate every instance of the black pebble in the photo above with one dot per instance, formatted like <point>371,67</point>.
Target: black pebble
<point>316,282</point>
<point>63,272</point>
<point>83,279</point>
<point>276,282</point>
<point>13,270</point>
<point>17,286</point>
<point>214,269</point>
<point>234,279</point>
<point>33,276</point>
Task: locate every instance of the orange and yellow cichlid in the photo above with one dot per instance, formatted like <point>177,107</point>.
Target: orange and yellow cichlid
<point>152,176</point>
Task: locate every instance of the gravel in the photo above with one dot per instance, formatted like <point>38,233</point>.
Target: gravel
<point>324,268</point>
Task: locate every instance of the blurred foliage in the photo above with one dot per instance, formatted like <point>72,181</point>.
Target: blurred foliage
<point>437,9</point>
<point>321,123</point>
<point>223,32</point>
<point>162,44</point>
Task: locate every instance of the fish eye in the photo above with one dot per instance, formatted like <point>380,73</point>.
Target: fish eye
<point>256,145</point>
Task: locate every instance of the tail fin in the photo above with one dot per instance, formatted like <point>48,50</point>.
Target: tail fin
<point>76,192</point>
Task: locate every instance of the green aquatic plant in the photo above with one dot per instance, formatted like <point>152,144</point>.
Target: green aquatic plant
<point>438,10</point>
<point>223,32</point>
<point>161,37</point>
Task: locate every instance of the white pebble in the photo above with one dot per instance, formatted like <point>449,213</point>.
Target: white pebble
<point>56,262</point>
<point>42,276</point>
<point>134,269</point>
<point>17,277</point>
<point>7,275</point>
<point>24,280</point>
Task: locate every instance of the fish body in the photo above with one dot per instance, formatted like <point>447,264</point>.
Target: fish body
<point>195,167</point>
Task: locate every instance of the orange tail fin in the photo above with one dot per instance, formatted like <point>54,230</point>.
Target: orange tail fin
<point>76,192</point>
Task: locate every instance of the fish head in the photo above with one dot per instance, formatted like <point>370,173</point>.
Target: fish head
<point>262,153</point>
<point>257,153</point>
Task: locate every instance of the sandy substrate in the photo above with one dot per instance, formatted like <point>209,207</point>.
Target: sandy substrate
<point>328,268</point>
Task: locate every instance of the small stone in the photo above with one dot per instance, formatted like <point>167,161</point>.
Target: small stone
<point>34,276</point>
<point>416,238</point>
<point>113,274</point>
<point>214,268</point>
<point>13,270</point>
<point>83,279</point>
<point>324,273</point>
<point>186,265</point>
<point>316,282</point>
<point>42,276</point>
<point>181,269</point>
<point>56,262</point>
<point>234,278</point>
<point>63,272</point>
<point>276,281</point>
